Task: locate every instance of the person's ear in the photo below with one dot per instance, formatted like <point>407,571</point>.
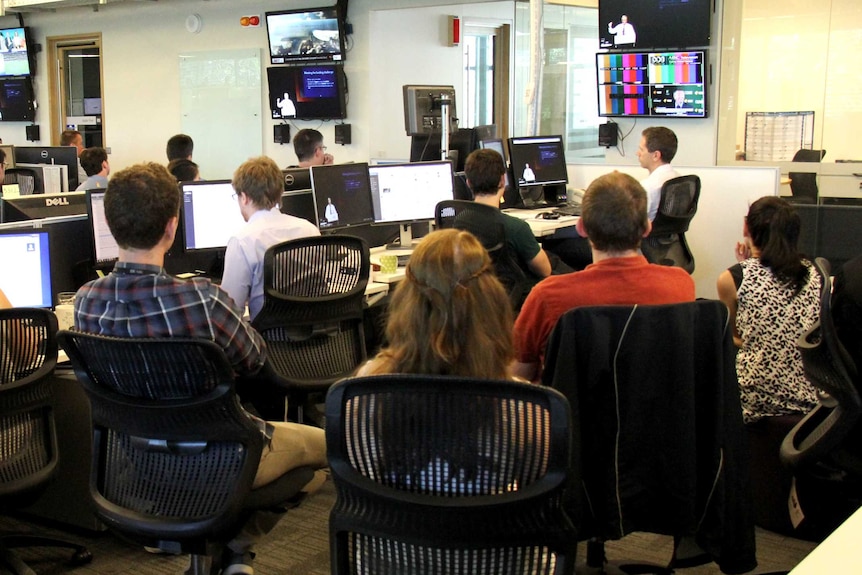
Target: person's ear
<point>582,231</point>
<point>171,229</point>
<point>648,228</point>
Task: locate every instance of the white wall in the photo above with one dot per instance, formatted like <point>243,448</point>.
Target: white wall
<point>141,42</point>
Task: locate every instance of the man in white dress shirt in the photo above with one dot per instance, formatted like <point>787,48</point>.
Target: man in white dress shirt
<point>624,33</point>
<point>655,153</point>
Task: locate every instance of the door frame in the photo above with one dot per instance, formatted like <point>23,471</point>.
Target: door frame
<point>56,88</point>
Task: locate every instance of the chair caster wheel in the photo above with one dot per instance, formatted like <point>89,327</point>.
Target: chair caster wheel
<point>81,557</point>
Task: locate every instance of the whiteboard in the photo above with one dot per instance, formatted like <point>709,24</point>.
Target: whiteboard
<point>725,194</point>
<point>220,103</point>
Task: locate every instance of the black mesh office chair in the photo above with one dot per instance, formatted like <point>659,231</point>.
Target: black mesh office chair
<point>484,223</point>
<point>666,243</point>
<point>658,440</point>
<point>312,316</point>
<point>803,185</point>
<point>448,475</point>
<point>24,177</point>
<point>174,454</point>
<point>824,449</point>
<point>28,437</point>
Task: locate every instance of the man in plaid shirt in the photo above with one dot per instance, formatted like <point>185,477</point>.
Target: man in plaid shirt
<point>139,299</point>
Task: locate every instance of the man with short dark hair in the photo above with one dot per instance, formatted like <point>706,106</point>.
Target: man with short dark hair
<point>614,218</point>
<point>76,139</point>
<point>655,153</point>
<point>180,147</point>
<point>486,177</point>
<point>139,299</point>
<point>95,163</point>
<point>309,148</point>
<point>258,184</point>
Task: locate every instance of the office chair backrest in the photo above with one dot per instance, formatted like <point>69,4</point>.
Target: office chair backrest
<point>666,243</point>
<point>658,439</point>
<point>28,354</point>
<point>484,223</point>
<point>803,185</point>
<point>829,367</point>
<point>438,474</point>
<point>174,454</point>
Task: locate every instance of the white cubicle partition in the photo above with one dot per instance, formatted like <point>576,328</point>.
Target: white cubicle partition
<point>725,195</point>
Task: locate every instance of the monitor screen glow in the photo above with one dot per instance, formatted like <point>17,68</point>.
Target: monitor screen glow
<point>14,53</point>
<point>211,214</point>
<point>342,195</point>
<point>305,35</point>
<point>25,256</point>
<point>313,92</point>
<point>538,160</point>
<point>409,192</point>
<point>105,248</point>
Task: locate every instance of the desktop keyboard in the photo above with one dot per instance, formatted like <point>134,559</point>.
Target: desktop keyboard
<point>568,210</point>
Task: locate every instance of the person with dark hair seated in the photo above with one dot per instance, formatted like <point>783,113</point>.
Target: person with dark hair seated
<point>773,295</point>
<point>138,299</point>
<point>179,147</point>
<point>184,170</point>
<point>95,163</point>
<point>309,148</point>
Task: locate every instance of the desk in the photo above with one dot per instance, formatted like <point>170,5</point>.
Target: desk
<point>540,227</point>
<point>839,553</point>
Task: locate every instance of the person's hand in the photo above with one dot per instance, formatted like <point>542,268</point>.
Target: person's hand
<point>743,251</point>
<point>328,159</point>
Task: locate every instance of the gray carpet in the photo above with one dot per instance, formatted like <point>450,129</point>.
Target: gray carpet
<point>299,545</point>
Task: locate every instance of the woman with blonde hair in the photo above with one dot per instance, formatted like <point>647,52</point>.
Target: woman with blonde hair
<point>450,315</point>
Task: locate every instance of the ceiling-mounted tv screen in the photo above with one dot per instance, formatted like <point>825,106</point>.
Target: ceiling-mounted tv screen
<point>654,24</point>
<point>14,52</point>
<point>314,92</point>
<point>669,84</point>
<point>304,35</point>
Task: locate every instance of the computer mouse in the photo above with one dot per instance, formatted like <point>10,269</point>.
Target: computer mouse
<point>549,216</point>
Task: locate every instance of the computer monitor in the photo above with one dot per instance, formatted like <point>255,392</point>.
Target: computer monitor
<point>838,239</point>
<point>407,193</point>
<point>427,147</point>
<point>66,155</point>
<point>42,206</point>
<point>495,144</point>
<point>105,248</point>
<point>537,163</point>
<point>296,179</point>
<point>300,204</point>
<point>342,195</point>
<point>211,214</point>
<point>26,261</point>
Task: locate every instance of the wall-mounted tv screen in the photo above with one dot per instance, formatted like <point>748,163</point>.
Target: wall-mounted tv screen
<point>14,53</point>
<point>305,34</point>
<point>662,84</point>
<point>16,100</point>
<point>653,24</point>
<point>313,92</point>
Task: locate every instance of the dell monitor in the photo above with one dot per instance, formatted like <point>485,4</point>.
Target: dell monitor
<point>211,214</point>
<point>66,155</point>
<point>538,165</point>
<point>105,249</point>
<point>42,206</point>
<point>406,193</point>
<point>342,195</point>
<point>296,179</point>
<point>428,147</point>
<point>26,261</point>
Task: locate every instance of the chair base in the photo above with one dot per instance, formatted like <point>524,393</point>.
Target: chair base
<point>8,558</point>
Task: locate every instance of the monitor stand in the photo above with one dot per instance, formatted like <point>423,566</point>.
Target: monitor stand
<point>405,238</point>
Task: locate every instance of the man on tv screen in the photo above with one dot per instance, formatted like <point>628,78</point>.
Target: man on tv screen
<point>624,33</point>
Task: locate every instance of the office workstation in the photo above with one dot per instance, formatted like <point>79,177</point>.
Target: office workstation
<point>374,111</point>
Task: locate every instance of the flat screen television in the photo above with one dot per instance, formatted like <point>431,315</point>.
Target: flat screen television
<point>342,195</point>
<point>313,92</point>
<point>37,207</point>
<point>16,99</point>
<point>65,155</point>
<point>305,34</point>
<point>14,52</point>
<point>423,108</point>
<point>26,261</point>
<point>654,24</point>
<point>105,249</point>
<point>653,84</point>
<point>211,214</point>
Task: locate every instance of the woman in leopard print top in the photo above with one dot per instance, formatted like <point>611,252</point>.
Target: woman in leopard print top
<point>773,295</point>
